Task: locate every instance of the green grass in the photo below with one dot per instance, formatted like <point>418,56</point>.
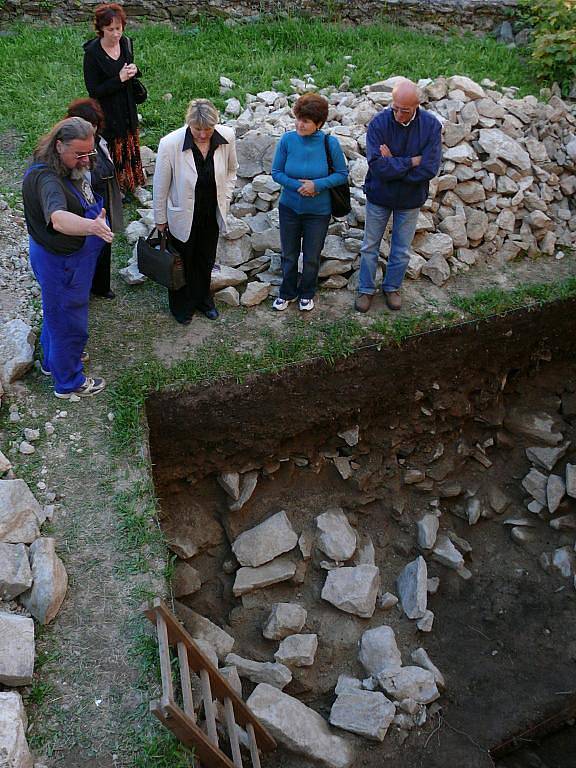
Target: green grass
<point>42,66</point>
<point>494,301</point>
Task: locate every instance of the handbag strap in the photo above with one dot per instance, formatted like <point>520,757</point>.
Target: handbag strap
<point>130,46</point>
<point>163,237</point>
<point>328,153</point>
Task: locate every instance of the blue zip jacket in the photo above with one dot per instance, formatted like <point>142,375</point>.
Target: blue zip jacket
<point>392,182</point>
<point>304,157</point>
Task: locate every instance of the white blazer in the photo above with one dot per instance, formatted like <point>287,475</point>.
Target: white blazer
<point>175,178</point>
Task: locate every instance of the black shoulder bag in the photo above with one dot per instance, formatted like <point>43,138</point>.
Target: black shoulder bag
<point>340,195</point>
<point>160,261</point>
<point>138,88</point>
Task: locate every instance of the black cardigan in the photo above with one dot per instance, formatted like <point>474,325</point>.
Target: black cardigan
<point>102,79</point>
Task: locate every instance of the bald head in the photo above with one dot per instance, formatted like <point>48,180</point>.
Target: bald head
<point>405,100</point>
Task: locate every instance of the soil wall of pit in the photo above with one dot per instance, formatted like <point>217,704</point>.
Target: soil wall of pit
<point>212,428</point>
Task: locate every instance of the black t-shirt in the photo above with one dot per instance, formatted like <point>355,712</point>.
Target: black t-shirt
<point>43,193</point>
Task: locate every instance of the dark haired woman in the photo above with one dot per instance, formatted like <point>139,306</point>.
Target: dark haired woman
<point>301,167</point>
<point>109,70</point>
<point>105,184</point>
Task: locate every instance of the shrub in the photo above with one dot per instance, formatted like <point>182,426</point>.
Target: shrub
<point>553,44</point>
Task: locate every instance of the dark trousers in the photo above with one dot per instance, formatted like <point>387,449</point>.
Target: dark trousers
<point>306,232</point>
<point>198,255</point>
<point>101,280</point>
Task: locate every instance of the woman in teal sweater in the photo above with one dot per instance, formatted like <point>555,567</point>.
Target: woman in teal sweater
<point>301,167</point>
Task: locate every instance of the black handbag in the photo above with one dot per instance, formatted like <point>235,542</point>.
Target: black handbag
<point>139,91</point>
<point>160,261</point>
<point>340,195</point>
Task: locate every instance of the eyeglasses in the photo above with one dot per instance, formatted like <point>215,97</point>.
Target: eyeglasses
<point>82,155</point>
<point>402,110</point>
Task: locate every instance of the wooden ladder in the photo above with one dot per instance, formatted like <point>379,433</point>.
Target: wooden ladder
<point>182,722</point>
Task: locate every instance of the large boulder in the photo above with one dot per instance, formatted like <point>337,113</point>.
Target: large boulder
<point>15,573</point>
<point>20,513</point>
<point>366,713</point>
<point>413,588</point>
<point>379,652</point>
<point>299,728</point>
<point>203,629</point>
<point>284,619</point>
<point>353,590</point>
<point>498,144</point>
<point>14,751</point>
<point>255,151</point>
<point>50,583</point>
<point>265,541</point>
<point>17,342</point>
<point>336,537</point>
<point>272,673</point>
<point>16,649</point>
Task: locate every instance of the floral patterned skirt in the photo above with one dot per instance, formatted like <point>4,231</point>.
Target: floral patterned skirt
<point>125,153</point>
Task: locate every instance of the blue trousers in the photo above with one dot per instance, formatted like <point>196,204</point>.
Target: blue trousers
<point>304,232</point>
<point>65,282</point>
<point>403,229</point>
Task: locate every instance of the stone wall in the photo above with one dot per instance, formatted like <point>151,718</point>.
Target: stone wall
<point>428,15</point>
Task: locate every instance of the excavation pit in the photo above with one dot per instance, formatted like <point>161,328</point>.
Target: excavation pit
<point>438,430</point>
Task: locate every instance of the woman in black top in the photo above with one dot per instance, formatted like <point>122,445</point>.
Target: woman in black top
<point>105,184</point>
<point>108,74</point>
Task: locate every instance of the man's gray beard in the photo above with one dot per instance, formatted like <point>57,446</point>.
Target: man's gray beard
<point>80,174</point>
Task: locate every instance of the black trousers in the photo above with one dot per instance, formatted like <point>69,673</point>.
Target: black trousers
<point>101,279</point>
<point>199,255</point>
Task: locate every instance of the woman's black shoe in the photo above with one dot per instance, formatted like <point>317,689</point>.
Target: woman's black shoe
<point>184,320</point>
<point>107,295</point>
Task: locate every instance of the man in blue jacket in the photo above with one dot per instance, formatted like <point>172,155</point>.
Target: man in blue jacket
<point>404,150</point>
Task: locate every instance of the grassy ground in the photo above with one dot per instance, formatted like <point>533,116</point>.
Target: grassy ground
<point>96,666</point>
<point>42,67</point>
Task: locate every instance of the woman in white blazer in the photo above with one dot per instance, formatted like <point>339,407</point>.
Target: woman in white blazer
<point>193,184</point>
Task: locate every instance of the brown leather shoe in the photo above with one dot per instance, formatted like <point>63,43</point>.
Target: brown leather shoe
<point>363,302</point>
<point>393,300</point>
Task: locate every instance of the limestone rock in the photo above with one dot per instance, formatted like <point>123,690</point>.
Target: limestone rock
<point>249,579</point>
<point>546,458</point>
<point>297,650</point>
<point>337,538</point>
<point>299,728</point>
<point>432,244</point>
<point>14,751</point>
<point>467,86</point>
<point>255,151</point>
<point>186,581</point>
<point>274,674</point>
<point>347,684</point>
<point>202,628</point>
<point>5,464</point>
<point>229,296</point>
<point>264,542</point>
<point>427,531</point>
<point>230,482</point>
<point>571,480</point>
<point>284,619</point>
<point>16,649</point>
<point>254,294</point>
<point>410,683</point>
<point>535,425</point>
<point>425,622</point>
<point>563,561</point>
<point>19,513</point>
<point>498,144</point>
<point>555,491</point>
<point>353,590</point>
<point>535,483</point>
<point>15,573</point>
<point>17,342</point>
<point>364,713</point>
<point>421,659</point>
<point>412,588</point>
<point>437,269</point>
<point>50,581</point>
<point>379,652</point>
<point>223,276</point>
<point>446,553</point>
<point>248,486</point>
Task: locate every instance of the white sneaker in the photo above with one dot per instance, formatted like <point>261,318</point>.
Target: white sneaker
<point>90,388</point>
<point>305,305</point>
<point>281,304</point>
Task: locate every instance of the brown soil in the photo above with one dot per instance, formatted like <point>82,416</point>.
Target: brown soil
<point>503,639</point>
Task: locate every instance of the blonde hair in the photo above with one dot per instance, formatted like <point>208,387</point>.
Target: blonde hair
<point>202,113</point>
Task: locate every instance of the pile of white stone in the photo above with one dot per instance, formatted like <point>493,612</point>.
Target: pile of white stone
<point>19,291</point>
<point>390,694</point>
<point>33,583</point>
<point>506,185</point>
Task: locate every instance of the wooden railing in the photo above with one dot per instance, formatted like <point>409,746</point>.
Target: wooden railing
<point>181,720</point>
